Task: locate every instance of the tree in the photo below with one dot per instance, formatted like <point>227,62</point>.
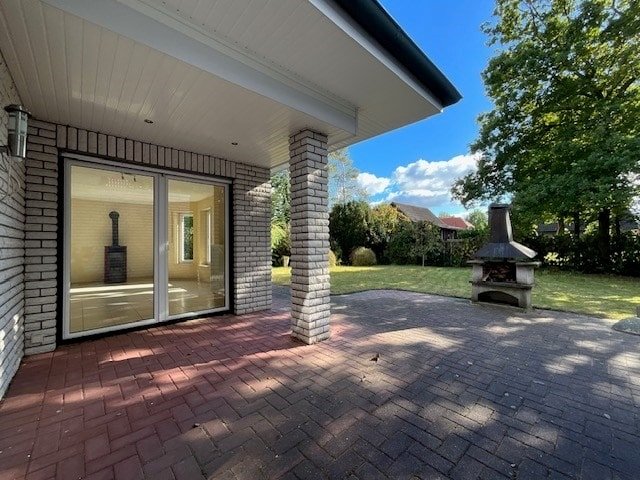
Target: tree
<point>563,137</point>
<point>427,242</point>
<point>343,179</point>
<point>281,197</point>
<point>400,247</point>
<point>349,225</point>
<point>479,219</point>
<point>385,221</point>
<point>280,216</point>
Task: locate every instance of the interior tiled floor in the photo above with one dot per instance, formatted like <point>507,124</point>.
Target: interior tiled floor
<point>96,305</point>
<point>456,391</point>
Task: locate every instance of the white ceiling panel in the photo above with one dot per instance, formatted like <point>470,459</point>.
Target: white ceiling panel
<point>78,72</point>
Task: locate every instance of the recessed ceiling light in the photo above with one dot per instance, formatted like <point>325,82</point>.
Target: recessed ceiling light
<point>234,144</point>
<point>147,120</point>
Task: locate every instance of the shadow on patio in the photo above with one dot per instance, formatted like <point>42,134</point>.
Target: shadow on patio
<point>458,391</point>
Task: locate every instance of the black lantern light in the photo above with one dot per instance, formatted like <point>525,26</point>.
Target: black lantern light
<point>17,130</point>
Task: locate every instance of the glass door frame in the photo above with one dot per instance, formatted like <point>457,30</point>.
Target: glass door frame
<point>164,235</point>
<point>161,179</point>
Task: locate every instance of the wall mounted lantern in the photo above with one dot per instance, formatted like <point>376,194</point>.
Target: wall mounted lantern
<point>17,130</point>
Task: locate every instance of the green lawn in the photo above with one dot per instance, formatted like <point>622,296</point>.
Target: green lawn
<point>601,295</point>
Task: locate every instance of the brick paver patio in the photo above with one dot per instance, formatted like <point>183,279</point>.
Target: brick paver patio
<point>458,391</point>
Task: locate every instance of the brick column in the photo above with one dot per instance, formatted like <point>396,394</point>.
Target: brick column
<point>309,237</point>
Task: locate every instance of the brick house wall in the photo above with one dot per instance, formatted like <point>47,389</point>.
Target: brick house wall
<point>251,239</point>
<point>11,245</point>
<point>251,200</point>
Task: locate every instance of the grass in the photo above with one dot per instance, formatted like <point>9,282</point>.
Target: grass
<point>606,296</point>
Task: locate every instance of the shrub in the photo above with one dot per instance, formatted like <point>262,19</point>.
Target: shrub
<point>460,250</point>
<point>333,260</point>
<point>280,243</point>
<point>581,254</point>
<point>349,225</point>
<point>363,257</point>
<point>400,247</point>
<point>385,220</point>
<point>337,251</point>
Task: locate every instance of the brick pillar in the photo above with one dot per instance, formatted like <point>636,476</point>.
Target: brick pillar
<point>309,237</point>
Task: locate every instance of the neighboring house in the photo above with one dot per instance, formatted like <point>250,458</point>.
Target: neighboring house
<point>551,229</point>
<point>457,222</point>
<point>449,226</point>
<point>145,194</point>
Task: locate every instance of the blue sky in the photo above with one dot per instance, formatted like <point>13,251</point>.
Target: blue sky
<point>418,163</point>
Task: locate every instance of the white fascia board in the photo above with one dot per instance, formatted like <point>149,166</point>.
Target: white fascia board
<point>160,31</point>
<point>353,30</point>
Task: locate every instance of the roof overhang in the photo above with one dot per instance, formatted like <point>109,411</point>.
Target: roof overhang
<point>373,19</point>
<point>212,74</point>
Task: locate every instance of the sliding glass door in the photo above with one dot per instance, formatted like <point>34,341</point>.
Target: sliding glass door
<point>140,247</point>
<point>111,261</point>
<point>196,253</point>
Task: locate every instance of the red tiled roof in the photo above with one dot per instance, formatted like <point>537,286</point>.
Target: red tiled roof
<point>456,222</point>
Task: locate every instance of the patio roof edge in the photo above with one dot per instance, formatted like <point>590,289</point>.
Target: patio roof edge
<point>380,25</point>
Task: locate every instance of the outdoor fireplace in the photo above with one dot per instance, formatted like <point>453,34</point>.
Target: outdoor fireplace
<point>115,255</point>
<point>503,270</point>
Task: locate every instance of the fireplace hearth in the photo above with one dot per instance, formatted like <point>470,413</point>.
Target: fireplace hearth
<point>503,269</point>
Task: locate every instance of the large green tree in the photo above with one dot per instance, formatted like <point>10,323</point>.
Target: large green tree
<point>280,197</point>
<point>564,136</point>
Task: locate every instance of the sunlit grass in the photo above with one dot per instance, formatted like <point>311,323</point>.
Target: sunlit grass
<point>607,296</point>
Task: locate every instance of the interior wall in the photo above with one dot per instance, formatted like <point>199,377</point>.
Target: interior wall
<point>91,232</point>
<point>213,272</point>
<point>198,268</point>
<point>218,237</point>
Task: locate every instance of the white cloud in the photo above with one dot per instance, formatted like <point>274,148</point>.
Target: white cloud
<point>372,184</point>
<point>434,176</point>
<point>423,183</point>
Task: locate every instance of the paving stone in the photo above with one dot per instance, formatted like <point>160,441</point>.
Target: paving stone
<point>235,397</point>
<point>453,448</point>
<point>530,470</point>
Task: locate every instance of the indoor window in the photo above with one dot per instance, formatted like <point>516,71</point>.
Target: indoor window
<point>186,237</point>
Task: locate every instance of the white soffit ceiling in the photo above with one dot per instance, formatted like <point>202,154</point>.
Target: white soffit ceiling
<point>207,72</point>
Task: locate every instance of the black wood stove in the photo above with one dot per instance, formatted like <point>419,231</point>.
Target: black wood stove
<point>115,255</point>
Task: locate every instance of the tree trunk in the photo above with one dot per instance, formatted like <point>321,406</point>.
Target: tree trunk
<point>617,226</point>
<point>604,237</point>
<point>561,226</point>
<point>576,224</point>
